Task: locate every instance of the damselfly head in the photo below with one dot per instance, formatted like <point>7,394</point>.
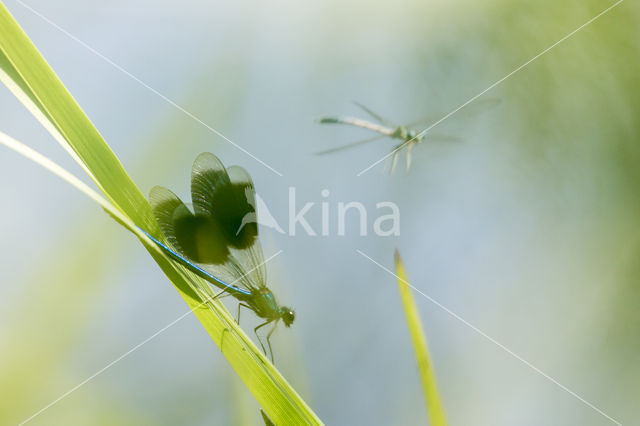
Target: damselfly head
<point>287,315</point>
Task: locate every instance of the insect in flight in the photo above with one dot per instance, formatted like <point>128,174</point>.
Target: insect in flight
<point>218,238</point>
<point>385,128</point>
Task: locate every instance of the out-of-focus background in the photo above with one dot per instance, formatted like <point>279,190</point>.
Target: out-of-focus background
<point>527,228</point>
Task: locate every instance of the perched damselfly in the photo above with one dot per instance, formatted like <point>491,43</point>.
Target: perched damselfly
<point>218,237</point>
<point>407,136</point>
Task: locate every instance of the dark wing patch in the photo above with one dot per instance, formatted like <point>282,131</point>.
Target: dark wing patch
<point>196,236</point>
<point>229,203</point>
<point>200,237</point>
<point>242,187</point>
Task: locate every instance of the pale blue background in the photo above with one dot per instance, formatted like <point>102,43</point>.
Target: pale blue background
<point>527,228</point>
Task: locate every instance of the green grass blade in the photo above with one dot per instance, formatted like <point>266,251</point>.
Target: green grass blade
<point>266,419</point>
<point>26,73</point>
<point>435,410</point>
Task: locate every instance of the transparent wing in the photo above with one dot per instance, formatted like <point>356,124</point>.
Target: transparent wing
<point>164,203</point>
<point>480,106</point>
<point>439,137</point>
<point>375,116</point>
<point>474,108</point>
<point>207,174</point>
<point>245,268</point>
<point>350,145</point>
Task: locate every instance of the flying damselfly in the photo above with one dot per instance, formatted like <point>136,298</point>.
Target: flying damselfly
<point>218,237</point>
<point>408,136</point>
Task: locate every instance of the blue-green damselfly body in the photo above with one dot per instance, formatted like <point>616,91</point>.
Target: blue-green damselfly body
<point>218,238</point>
